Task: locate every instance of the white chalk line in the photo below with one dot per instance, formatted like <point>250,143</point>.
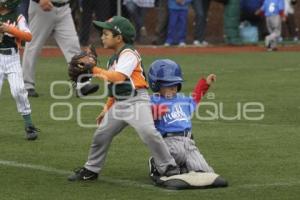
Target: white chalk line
<point>122,182</point>
<point>270,184</point>
<point>131,183</point>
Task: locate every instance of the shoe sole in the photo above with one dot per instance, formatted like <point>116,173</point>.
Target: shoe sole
<point>80,179</point>
<point>33,95</point>
<point>32,137</point>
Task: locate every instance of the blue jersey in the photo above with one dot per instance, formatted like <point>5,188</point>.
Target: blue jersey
<point>272,7</point>
<point>178,117</point>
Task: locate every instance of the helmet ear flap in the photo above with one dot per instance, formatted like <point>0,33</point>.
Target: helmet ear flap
<point>155,86</point>
<point>179,87</point>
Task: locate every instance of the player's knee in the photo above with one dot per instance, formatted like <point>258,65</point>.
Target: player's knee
<point>101,136</point>
<point>18,93</point>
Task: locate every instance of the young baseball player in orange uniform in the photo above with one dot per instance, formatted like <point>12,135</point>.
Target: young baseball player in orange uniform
<point>128,102</point>
<point>13,30</point>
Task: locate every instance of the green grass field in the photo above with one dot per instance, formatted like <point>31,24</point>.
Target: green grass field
<point>260,159</point>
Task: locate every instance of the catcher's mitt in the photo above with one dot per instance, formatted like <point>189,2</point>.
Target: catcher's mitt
<point>82,64</point>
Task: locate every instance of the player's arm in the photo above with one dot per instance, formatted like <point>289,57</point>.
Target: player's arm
<point>202,87</point>
<point>110,101</point>
<point>127,62</point>
<point>281,10</point>
<point>111,76</point>
<point>261,10</point>
<point>19,31</point>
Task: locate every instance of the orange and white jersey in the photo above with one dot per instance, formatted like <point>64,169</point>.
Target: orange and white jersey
<point>129,63</point>
<point>21,24</point>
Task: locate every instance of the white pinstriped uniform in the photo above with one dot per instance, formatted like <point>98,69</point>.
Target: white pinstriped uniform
<point>10,69</point>
<point>176,121</point>
<point>185,152</point>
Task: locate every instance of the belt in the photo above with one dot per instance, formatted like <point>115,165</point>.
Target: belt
<point>8,51</point>
<point>56,4</point>
<point>122,97</point>
<point>180,134</point>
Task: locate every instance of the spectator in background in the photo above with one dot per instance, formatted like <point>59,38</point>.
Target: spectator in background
<point>274,13</point>
<point>201,9</point>
<point>177,26</point>
<point>137,10</point>
<point>289,11</point>
<point>102,11</point>
<point>162,22</point>
<point>248,8</point>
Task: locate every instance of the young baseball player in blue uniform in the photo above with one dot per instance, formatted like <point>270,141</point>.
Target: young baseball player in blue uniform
<point>13,30</point>
<point>128,102</point>
<point>274,13</point>
<point>172,112</point>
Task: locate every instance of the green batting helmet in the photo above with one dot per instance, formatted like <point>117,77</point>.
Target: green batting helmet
<point>10,4</point>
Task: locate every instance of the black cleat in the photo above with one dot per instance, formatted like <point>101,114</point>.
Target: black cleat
<point>83,174</point>
<point>220,182</point>
<point>31,132</point>
<point>32,93</point>
<point>87,89</point>
<point>153,172</point>
<point>171,171</point>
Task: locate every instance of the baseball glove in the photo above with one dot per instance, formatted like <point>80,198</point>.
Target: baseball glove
<point>81,65</point>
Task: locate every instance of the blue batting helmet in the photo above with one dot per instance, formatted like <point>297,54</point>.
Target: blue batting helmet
<point>164,72</point>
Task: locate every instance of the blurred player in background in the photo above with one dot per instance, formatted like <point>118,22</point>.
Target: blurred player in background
<point>273,10</point>
<point>47,17</point>
<point>13,30</point>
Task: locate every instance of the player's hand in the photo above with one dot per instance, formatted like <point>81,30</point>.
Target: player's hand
<point>257,12</point>
<point>3,28</point>
<point>283,18</point>
<point>211,78</point>
<point>100,117</point>
<point>46,5</point>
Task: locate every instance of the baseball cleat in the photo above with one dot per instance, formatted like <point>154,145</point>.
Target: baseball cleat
<point>153,172</point>
<point>32,93</point>
<point>83,174</point>
<point>31,132</point>
<point>171,171</point>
